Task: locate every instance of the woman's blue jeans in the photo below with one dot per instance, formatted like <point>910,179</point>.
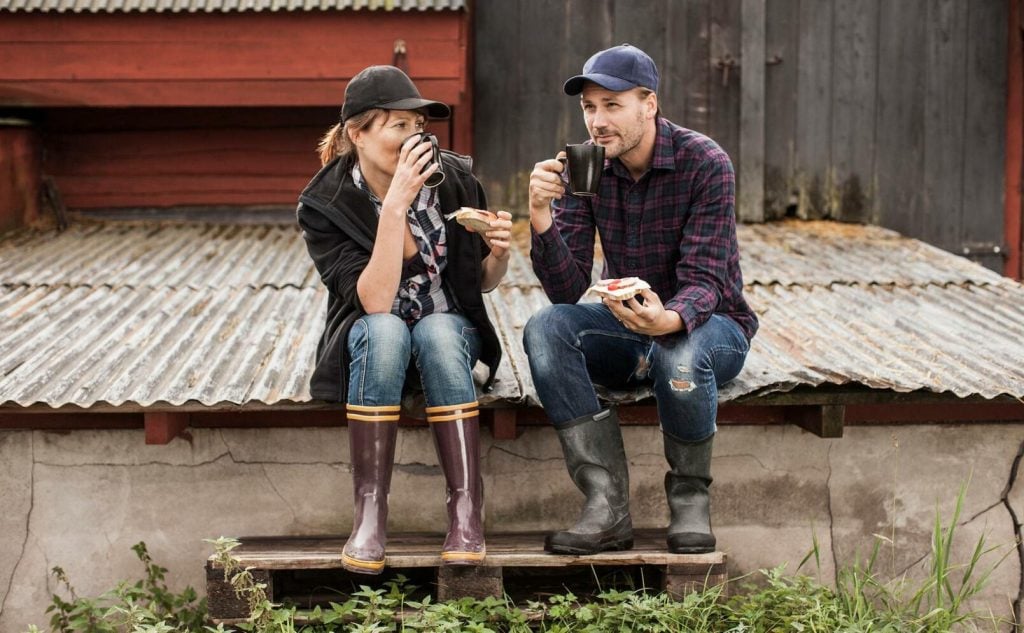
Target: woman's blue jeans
<point>444,347</point>
<point>573,347</point>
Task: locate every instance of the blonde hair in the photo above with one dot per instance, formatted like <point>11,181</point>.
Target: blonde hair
<point>338,141</point>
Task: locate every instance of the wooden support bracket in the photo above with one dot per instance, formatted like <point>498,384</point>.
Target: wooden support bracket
<point>503,425</point>
<point>455,582</point>
<point>164,426</point>
<point>689,578</point>
<point>824,420</point>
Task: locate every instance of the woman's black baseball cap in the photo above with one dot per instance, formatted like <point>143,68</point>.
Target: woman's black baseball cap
<point>387,88</point>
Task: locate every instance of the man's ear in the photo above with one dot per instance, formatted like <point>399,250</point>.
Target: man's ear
<point>651,102</point>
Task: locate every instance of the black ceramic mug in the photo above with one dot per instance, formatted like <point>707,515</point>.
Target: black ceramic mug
<point>585,163</point>
<point>437,177</point>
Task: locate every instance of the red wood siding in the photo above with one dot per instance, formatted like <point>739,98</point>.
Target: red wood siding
<point>191,156</point>
<point>250,59</point>
<point>157,110</point>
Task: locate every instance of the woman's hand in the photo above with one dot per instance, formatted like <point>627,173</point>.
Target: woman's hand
<point>499,236</point>
<point>407,181</point>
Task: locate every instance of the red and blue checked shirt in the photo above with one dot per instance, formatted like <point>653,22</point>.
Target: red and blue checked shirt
<point>675,228</point>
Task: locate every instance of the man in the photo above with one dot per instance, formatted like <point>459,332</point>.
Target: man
<point>664,213</point>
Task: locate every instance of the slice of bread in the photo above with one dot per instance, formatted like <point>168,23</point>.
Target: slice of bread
<point>476,219</point>
<point>619,289</point>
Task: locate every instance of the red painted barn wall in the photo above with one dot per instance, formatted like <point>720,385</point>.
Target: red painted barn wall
<point>154,110</point>
<point>116,158</point>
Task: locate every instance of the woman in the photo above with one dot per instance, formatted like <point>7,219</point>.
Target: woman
<point>404,301</point>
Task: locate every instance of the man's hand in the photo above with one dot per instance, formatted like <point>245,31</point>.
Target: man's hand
<point>545,186</point>
<point>650,317</point>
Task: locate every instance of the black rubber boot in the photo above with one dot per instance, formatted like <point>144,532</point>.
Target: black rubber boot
<point>596,461</point>
<point>686,486</point>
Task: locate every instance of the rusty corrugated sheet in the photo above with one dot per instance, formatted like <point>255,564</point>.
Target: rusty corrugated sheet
<point>222,6</point>
<point>145,314</point>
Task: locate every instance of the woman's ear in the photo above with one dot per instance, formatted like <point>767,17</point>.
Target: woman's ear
<point>355,136</point>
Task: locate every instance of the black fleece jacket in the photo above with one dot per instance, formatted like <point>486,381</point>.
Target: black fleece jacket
<point>339,225</point>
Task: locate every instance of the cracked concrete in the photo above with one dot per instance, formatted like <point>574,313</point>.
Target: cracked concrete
<point>81,500</point>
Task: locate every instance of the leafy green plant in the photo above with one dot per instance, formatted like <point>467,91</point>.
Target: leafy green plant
<point>145,606</point>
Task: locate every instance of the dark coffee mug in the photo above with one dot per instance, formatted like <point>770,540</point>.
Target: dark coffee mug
<point>437,177</point>
<point>585,163</point>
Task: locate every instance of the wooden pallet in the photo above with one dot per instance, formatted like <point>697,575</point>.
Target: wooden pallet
<point>277,560</point>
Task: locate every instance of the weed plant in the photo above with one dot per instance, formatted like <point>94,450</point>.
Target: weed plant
<point>777,602</point>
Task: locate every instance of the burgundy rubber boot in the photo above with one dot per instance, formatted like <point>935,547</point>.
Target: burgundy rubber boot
<point>457,437</point>
<point>372,432</point>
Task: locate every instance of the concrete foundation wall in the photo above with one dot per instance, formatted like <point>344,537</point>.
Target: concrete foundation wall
<point>80,500</point>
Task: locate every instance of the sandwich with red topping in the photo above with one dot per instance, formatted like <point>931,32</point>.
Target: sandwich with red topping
<point>477,219</point>
<point>619,289</point>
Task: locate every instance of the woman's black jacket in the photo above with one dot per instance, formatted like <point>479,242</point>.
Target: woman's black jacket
<point>339,225</point>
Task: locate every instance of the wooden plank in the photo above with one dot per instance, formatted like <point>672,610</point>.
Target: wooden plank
<point>984,150</point>
<point>899,135</point>
<point>20,176</point>
<point>825,421</point>
<point>496,78</point>
<point>854,82</point>
<point>191,93</point>
<point>944,124</point>
<point>781,27</point>
<point>750,191</point>
<point>178,60</point>
<point>813,109</point>
<point>1014,171</point>
<point>724,84</point>
<point>698,62</point>
<point>676,67</point>
<point>582,38</point>
<point>424,550</point>
<point>162,427</point>
<point>357,27</point>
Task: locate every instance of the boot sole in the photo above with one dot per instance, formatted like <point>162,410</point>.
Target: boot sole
<point>463,558</point>
<point>360,566</point>
<point>613,546</point>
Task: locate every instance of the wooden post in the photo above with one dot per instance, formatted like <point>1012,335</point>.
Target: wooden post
<point>503,424</point>
<point>454,581</point>
<point>20,158</point>
<point>1014,176</point>
<point>824,421</point>
<point>683,579</point>
<point>750,204</point>
<point>164,426</point>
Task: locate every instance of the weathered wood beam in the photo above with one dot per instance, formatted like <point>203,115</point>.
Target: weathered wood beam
<point>503,424</point>
<point>162,427</point>
<point>824,421</point>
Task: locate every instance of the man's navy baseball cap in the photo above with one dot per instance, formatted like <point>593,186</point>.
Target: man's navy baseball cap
<point>618,68</point>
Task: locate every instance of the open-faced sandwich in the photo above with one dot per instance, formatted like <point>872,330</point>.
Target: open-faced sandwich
<point>619,289</point>
<point>476,219</point>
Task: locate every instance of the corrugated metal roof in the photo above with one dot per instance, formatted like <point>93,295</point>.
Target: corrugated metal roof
<point>223,6</point>
<point>149,313</point>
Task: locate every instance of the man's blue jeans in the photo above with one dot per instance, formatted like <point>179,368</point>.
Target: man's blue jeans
<point>573,347</point>
<point>444,347</point>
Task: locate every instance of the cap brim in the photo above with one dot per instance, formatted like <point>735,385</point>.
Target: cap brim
<point>435,109</point>
<point>574,85</point>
